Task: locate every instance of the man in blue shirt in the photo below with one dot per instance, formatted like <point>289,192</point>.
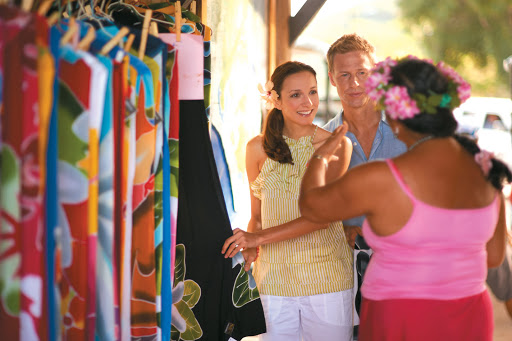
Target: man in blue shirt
<point>350,60</point>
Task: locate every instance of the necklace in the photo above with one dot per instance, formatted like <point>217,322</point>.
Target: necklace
<point>423,139</point>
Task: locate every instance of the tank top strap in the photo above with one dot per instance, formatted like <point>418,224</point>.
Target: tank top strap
<point>398,176</point>
<point>314,134</point>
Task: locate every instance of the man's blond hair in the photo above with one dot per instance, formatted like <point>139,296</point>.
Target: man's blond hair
<point>350,43</point>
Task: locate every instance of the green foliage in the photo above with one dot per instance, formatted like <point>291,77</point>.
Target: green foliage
<point>454,30</point>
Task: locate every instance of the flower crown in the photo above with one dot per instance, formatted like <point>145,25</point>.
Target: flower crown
<point>397,103</point>
<point>269,95</point>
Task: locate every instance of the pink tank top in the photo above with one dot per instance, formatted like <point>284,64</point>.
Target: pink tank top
<point>439,254</point>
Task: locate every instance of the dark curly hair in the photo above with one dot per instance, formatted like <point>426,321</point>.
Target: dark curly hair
<point>422,77</point>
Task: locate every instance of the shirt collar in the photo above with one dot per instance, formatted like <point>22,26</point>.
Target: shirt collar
<point>382,117</point>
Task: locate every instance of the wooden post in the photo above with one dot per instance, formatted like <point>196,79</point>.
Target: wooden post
<point>283,13</point>
<point>271,57</point>
<point>278,33</point>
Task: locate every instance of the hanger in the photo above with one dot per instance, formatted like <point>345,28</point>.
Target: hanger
<point>153,29</point>
<point>26,5</point>
<point>44,7</point>
<point>70,33</point>
<point>144,36</point>
<point>53,18</point>
<point>177,19</point>
<point>87,39</point>
<point>112,42</point>
<point>129,42</point>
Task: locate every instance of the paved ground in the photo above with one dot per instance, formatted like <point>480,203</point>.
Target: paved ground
<point>502,328</point>
<point>502,322</point>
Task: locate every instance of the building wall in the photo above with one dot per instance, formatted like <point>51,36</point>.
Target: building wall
<point>239,63</point>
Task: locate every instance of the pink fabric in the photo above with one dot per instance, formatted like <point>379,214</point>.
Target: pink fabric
<point>439,253</point>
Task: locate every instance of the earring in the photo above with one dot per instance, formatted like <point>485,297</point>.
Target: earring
<point>396,131</point>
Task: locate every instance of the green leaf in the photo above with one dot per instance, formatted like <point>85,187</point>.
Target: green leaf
<point>174,154</point>
<point>420,97</point>
<point>193,331</point>
<point>190,16</point>
<point>158,5</point>
<point>430,110</point>
<point>158,263</point>
<point>434,100</point>
<point>179,264</point>
<point>168,18</point>
<point>242,293</point>
<point>192,293</point>
<point>175,334</point>
<point>174,162</point>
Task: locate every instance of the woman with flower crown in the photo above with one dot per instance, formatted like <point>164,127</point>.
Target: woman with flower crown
<point>304,281</point>
<point>435,215</point>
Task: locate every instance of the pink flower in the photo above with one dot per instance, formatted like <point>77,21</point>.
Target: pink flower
<point>268,95</point>
<point>484,160</point>
<point>376,79</point>
<point>463,88</point>
<point>399,104</point>
<point>376,94</point>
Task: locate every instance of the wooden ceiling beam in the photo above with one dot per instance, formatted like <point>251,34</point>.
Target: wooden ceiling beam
<point>303,17</point>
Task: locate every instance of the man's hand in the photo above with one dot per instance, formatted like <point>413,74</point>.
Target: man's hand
<point>350,233</point>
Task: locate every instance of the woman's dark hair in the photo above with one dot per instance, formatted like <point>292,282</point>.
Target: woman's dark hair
<point>274,144</point>
<point>499,172</point>
<point>422,77</point>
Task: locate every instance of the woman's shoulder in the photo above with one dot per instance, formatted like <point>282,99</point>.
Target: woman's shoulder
<point>322,135</point>
<point>255,144</point>
<point>255,151</point>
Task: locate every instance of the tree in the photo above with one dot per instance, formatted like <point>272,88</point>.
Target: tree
<point>456,29</point>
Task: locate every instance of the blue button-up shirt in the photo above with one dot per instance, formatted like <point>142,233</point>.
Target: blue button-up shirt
<point>385,145</point>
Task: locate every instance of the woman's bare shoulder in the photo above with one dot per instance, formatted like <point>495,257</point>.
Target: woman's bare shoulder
<point>255,151</point>
<point>322,135</point>
<point>255,145</point>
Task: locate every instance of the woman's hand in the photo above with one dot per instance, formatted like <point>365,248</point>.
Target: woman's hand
<point>351,233</point>
<point>332,144</point>
<point>250,256</point>
<point>238,241</point>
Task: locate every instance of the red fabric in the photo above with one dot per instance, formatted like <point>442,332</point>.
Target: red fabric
<point>120,95</point>
<point>465,319</point>
<point>174,129</point>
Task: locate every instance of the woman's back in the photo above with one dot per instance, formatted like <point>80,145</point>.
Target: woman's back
<point>442,243</point>
<point>439,173</point>
<point>443,174</point>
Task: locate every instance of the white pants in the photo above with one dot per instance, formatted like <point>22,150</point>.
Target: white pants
<point>325,317</point>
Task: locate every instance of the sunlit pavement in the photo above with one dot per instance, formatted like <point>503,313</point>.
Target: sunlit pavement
<point>502,322</point>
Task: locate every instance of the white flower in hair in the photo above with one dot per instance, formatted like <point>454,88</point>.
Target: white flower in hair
<point>269,95</point>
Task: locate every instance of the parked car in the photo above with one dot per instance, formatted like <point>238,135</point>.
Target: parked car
<point>489,120</point>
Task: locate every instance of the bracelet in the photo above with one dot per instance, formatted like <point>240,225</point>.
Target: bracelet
<point>321,157</point>
<point>257,252</point>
